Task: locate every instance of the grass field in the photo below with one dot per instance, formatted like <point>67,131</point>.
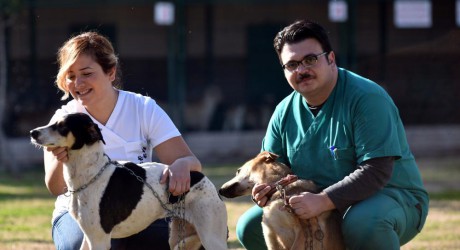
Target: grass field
<point>25,208</point>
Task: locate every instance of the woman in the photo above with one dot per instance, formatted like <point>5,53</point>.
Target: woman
<point>132,126</point>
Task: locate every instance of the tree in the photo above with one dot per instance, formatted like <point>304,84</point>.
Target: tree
<point>8,12</point>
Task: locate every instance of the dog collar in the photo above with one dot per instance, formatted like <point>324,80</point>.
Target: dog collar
<point>283,182</point>
<point>94,178</point>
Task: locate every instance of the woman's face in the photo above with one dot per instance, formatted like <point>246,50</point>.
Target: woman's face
<point>87,82</point>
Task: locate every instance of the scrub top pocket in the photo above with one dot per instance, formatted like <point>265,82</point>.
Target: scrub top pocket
<point>343,154</point>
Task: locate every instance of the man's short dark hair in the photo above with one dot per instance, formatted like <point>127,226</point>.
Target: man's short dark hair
<point>299,31</point>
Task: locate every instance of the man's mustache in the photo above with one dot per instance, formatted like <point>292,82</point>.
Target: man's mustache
<point>304,76</point>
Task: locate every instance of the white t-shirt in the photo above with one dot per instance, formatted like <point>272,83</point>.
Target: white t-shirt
<point>136,125</point>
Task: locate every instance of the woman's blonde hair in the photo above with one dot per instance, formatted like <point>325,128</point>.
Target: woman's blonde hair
<point>91,44</point>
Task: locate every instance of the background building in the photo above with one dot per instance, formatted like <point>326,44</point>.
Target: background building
<point>214,68</point>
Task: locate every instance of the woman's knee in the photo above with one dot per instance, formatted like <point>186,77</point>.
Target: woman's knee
<point>66,233</point>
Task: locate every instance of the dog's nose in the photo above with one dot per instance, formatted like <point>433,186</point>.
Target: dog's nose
<point>34,134</point>
<point>227,192</point>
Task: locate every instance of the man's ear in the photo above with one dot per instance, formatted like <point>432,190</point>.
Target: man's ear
<point>330,57</point>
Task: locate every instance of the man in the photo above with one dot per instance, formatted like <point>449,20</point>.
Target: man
<point>343,132</point>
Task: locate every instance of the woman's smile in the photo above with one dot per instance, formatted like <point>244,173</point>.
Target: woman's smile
<point>81,93</point>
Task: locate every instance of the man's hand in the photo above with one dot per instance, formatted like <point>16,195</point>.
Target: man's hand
<point>259,192</point>
<point>308,205</point>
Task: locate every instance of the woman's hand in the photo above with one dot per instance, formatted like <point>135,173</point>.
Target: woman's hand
<point>59,152</point>
<point>178,175</point>
<point>175,153</point>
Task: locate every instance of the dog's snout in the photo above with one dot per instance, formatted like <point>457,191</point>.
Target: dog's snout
<point>34,134</point>
<point>228,191</point>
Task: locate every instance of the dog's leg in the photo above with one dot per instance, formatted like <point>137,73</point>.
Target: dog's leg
<point>183,235</point>
<point>84,244</point>
<point>272,238</point>
<point>212,228</point>
<point>213,235</point>
<point>207,212</point>
<point>282,230</point>
<point>100,242</point>
<point>331,226</point>
<point>300,241</point>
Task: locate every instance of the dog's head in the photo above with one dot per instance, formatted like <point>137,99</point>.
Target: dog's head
<point>72,131</point>
<point>262,169</point>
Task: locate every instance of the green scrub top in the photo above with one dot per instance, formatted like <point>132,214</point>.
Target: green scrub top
<point>359,121</point>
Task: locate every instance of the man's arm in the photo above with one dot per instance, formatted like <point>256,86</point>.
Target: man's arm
<point>371,176</point>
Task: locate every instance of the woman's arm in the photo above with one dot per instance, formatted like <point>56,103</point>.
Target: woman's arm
<point>180,160</point>
<point>54,179</point>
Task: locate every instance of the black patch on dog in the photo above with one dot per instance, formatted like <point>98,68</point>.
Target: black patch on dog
<point>121,196</point>
<point>195,177</point>
<point>82,127</point>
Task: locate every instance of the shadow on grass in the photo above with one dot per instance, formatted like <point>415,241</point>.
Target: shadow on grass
<point>32,241</point>
<point>6,196</point>
<point>446,195</point>
<point>28,184</point>
<point>33,176</point>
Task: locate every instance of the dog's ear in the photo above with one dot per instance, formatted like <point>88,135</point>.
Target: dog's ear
<point>269,156</point>
<point>95,133</point>
<point>272,156</point>
<point>84,130</point>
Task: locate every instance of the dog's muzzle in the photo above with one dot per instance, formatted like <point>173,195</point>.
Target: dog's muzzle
<point>34,134</point>
<point>229,191</point>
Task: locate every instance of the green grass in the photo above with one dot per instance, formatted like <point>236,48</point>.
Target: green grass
<point>26,206</point>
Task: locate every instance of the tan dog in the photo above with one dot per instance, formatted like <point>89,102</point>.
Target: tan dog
<point>283,229</point>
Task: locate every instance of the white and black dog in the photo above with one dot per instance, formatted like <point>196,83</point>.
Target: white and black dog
<point>117,199</point>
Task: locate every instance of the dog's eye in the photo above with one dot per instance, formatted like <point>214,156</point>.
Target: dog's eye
<point>238,171</point>
<point>62,128</point>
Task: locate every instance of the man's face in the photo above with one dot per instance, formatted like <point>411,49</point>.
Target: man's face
<point>316,81</point>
